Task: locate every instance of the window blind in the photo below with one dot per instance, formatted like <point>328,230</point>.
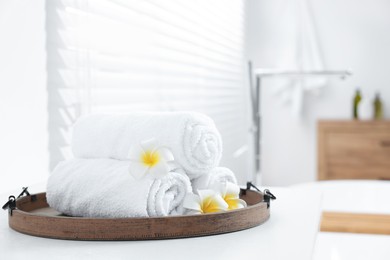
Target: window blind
<point>116,56</point>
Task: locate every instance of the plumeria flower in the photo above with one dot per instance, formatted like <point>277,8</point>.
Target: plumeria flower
<point>149,159</point>
<point>207,201</point>
<point>230,192</point>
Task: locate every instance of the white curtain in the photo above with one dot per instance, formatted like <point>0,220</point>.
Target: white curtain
<point>117,56</point>
<point>290,41</point>
<point>306,56</point>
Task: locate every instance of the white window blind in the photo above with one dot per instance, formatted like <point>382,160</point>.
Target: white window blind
<point>128,55</point>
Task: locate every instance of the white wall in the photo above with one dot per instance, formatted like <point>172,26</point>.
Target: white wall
<point>23,116</point>
<point>353,34</point>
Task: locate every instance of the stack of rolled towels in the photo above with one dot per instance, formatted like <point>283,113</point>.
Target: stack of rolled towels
<point>98,181</point>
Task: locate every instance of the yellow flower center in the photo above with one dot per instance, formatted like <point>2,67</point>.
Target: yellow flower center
<point>150,159</point>
<point>209,205</point>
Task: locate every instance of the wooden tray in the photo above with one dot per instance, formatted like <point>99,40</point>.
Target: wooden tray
<point>33,216</point>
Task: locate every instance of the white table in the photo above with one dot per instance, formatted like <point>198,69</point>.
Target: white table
<point>289,234</point>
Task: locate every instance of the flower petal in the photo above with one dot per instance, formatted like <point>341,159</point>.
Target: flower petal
<point>135,153</point>
<point>214,204</point>
<point>220,188</point>
<point>242,203</point>
<point>165,153</point>
<point>137,169</point>
<point>232,191</point>
<point>236,204</point>
<point>192,202</point>
<point>203,194</point>
<point>149,145</point>
<point>159,170</point>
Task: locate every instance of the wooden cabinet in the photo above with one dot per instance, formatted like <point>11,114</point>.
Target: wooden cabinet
<point>353,150</point>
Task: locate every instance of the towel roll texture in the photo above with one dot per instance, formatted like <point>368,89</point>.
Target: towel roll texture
<point>192,137</point>
<point>104,188</point>
<point>213,178</point>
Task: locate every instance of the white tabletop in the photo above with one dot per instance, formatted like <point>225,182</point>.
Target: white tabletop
<point>289,234</point>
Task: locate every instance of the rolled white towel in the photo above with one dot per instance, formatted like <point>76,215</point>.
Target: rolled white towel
<point>211,179</point>
<point>192,137</point>
<point>104,188</point>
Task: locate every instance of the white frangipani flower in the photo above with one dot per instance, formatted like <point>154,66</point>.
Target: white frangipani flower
<point>230,192</point>
<point>208,201</point>
<point>149,159</point>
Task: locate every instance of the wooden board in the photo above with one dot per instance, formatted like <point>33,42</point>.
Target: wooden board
<point>353,150</point>
<point>355,223</point>
<point>34,217</point>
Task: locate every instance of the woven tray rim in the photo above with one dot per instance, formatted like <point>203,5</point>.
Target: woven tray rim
<point>59,227</point>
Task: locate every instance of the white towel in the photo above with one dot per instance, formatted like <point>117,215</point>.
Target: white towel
<point>104,188</point>
<point>292,25</point>
<point>211,179</point>
<point>192,137</point>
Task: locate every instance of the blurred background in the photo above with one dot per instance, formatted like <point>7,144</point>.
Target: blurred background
<point>62,59</point>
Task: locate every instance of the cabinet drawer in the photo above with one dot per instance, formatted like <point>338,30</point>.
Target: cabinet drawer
<point>354,151</point>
